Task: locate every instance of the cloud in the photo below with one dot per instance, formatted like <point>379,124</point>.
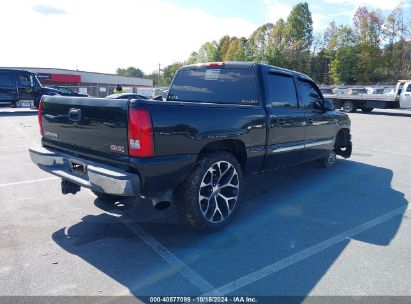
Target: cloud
<point>47,10</point>
<point>381,4</point>
<point>276,9</point>
<point>102,37</point>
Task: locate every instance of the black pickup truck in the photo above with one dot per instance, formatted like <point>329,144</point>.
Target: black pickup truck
<point>220,122</point>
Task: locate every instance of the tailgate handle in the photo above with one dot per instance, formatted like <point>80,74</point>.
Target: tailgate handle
<point>74,114</point>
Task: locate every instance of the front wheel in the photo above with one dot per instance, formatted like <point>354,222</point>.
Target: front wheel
<point>209,196</point>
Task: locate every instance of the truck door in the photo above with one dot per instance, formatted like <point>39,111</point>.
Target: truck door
<point>286,132</point>
<point>8,90</point>
<point>25,85</point>
<point>405,97</point>
<point>321,125</point>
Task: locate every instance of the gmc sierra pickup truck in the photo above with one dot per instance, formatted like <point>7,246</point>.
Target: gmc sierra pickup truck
<point>219,123</point>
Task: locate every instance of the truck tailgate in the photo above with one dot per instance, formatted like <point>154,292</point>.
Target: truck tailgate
<point>95,124</point>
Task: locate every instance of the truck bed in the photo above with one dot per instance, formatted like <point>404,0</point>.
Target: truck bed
<point>365,97</point>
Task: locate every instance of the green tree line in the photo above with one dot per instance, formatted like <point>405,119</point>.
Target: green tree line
<point>375,48</point>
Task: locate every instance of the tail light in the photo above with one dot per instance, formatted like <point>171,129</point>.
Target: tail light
<point>140,133</point>
<point>39,117</point>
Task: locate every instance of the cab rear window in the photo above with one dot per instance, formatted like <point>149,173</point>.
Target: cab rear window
<point>224,86</point>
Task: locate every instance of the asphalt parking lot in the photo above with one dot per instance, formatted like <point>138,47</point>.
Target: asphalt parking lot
<point>301,231</point>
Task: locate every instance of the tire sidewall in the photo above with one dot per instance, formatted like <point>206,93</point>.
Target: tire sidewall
<point>186,196</point>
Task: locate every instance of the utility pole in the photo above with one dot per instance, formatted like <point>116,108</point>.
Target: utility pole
<point>159,69</point>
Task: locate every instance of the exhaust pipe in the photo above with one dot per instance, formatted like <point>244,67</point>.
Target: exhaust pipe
<point>162,202</point>
<point>69,187</point>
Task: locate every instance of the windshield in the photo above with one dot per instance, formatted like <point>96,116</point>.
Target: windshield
<point>225,86</point>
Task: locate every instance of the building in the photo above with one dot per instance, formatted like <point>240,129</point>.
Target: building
<point>91,83</point>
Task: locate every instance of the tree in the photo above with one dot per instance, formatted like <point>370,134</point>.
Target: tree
<point>258,42</point>
<point>368,28</point>
<point>395,53</point>
<point>208,52</point>
<point>130,72</point>
<point>169,72</point>
<point>299,27</point>
<point>298,36</point>
<point>344,66</point>
<point>224,45</point>
<point>275,52</point>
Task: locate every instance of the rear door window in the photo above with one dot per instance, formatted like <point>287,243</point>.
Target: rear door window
<point>281,91</point>
<point>6,81</point>
<point>224,86</point>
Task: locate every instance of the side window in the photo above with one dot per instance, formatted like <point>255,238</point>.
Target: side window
<point>24,81</point>
<point>310,97</point>
<point>409,88</point>
<point>6,81</point>
<point>281,91</point>
<point>64,90</point>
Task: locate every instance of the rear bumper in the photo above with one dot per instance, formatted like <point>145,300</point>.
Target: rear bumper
<point>97,176</point>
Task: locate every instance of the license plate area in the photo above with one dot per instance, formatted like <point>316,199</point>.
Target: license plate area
<point>77,167</point>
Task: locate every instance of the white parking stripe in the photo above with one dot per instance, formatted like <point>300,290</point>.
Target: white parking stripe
<point>384,151</point>
<point>29,181</point>
<point>193,277</point>
<point>299,256</point>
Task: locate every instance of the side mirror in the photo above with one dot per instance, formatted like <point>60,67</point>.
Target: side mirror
<point>328,105</point>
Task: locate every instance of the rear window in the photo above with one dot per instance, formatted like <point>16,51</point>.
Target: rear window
<point>226,86</point>
<point>6,81</point>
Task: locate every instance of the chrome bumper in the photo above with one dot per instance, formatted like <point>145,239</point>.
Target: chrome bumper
<point>97,176</point>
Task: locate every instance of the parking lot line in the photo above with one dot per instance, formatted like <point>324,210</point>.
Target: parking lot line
<point>303,254</point>
<point>29,181</point>
<point>385,151</point>
<point>193,277</point>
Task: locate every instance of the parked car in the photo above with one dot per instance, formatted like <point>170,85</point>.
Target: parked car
<point>389,91</point>
<point>64,91</point>
<point>327,91</point>
<point>356,91</point>
<point>379,90</point>
<point>220,123</point>
<point>21,88</point>
<point>340,91</point>
<point>126,96</point>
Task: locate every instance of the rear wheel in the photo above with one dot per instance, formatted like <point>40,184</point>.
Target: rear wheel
<point>208,198</point>
<point>349,106</point>
<point>366,110</point>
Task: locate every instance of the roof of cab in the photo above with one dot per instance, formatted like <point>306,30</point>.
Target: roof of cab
<point>247,65</point>
<point>15,70</point>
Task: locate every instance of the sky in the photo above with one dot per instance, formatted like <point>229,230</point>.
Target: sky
<point>100,36</point>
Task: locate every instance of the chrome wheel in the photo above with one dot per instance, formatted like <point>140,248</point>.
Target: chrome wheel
<point>219,191</point>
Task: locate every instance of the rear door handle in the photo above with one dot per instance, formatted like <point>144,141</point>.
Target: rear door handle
<point>281,122</point>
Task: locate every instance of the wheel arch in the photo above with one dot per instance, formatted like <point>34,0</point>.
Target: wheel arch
<point>234,146</point>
